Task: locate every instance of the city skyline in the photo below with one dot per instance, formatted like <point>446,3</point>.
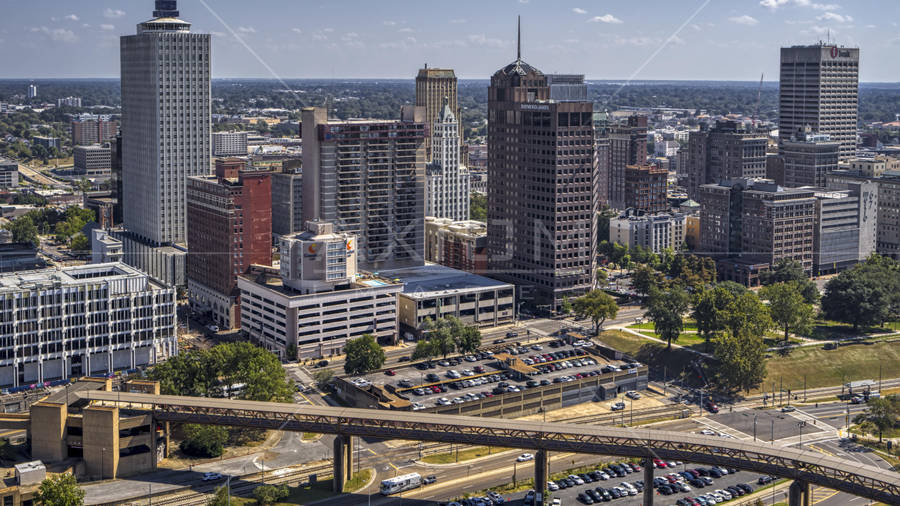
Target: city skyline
<point>656,41</point>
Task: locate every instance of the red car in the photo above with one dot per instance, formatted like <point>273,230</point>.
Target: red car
<point>390,372</point>
<point>712,407</point>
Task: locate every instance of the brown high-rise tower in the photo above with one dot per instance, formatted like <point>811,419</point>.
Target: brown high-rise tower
<point>541,176</point>
<point>432,86</point>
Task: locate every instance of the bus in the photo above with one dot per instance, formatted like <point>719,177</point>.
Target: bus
<point>401,483</point>
<point>229,391</point>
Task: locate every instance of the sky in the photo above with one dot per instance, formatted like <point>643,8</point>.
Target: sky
<point>603,39</point>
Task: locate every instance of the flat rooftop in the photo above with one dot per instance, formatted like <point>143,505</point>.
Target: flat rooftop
<point>67,276</point>
<point>433,280</point>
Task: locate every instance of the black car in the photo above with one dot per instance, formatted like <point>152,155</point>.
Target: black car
<point>666,490</point>
<point>604,494</point>
<point>586,478</point>
<point>764,480</point>
<point>562,484</point>
<point>714,473</point>
<point>735,492</point>
<point>746,488</point>
<point>639,485</point>
<point>696,483</point>
<point>702,472</point>
<point>432,377</point>
<point>615,493</point>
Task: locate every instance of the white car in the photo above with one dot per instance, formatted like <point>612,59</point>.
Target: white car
<point>453,374</point>
<point>631,394</point>
<point>708,432</point>
<point>212,476</point>
<point>525,457</point>
<point>468,372</point>
<point>443,401</point>
<point>551,486</point>
<point>418,406</point>
<point>576,479</point>
<point>556,502</point>
<point>471,358</point>
<point>604,476</point>
<point>726,495</point>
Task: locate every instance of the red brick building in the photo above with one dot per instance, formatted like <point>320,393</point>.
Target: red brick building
<point>645,188</point>
<point>229,227</point>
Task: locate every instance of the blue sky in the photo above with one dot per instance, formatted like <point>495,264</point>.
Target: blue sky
<point>604,39</point>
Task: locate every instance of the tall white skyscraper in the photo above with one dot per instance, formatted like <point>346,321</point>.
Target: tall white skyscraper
<point>165,123</point>
<point>820,91</point>
<point>447,194</point>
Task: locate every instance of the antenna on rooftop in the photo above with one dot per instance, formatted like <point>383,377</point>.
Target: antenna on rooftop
<point>519,40</point>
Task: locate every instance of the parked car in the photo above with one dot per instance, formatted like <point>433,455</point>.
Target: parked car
<point>210,476</point>
<point>619,406</point>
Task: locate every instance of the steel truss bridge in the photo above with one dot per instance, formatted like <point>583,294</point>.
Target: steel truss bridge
<point>802,466</point>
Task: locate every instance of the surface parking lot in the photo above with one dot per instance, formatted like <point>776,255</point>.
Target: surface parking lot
<point>578,494</point>
<point>783,425</point>
<point>458,380</point>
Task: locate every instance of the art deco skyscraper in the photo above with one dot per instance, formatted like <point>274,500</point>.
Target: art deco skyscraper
<point>542,203</point>
<point>165,123</point>
<point>447,191</point>
<point>432,86</point>
<point>820,90</point>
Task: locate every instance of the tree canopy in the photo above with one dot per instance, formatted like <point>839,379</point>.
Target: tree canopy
<point>739,347</point>
<point>200,372</point>
<point>60,490</point>
<point>666,310</point>
<point>363,354</point>
<point>867,294</point>
<point>787,307</point>
<point>710,311</point>
<point>882,414</point>
<point>205,441</point>
<point>596,305</point>
<point>791,271</point>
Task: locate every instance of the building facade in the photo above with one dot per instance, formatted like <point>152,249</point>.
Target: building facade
<point>229,229</point>
<point>318,300</point>
<point>625,144</point>
<point>656,233</point>
<point>68,102</point>
<point>90,129</point>
<point>94,161</point>
<point>165,137</point>
<point>433,85</point>
<point>447,181</point>
<point>367,177</point>
<point>229,143</point>
<point>459,245</point>
<point>646,188</point>
<point>806,162</point>
<point>757,222</point>
<point>846,227</point>
<point>9,174</point>
<point>79,321</point>
<point>542,184</point>
<point>726,151</point>
<point>819,89</point>
<point>165,124</point>
<point>287,202</point>
<point>887,203</point>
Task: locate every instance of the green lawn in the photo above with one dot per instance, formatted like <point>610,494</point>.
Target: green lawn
<point>683,339</point>
<point>688,325</point>
<point>823,367</point>
<point>462,455</point>
<point>358,480</point>
<point>826,330</point>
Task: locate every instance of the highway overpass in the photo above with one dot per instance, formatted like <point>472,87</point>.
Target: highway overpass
<point>804,467</point>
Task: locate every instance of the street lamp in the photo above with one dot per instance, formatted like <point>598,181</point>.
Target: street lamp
<point>755,416</point>
<point>800,426</point>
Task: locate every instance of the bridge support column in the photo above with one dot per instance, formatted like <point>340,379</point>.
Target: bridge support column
<point>342,461</point>
<point>798,494</point>
<point>647,462</point>
<point>541,475</point>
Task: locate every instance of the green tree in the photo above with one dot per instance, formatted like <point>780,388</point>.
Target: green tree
<point>364,354</point>
<point>60,490</point>
<point>882,413</point>
<point>425,350</point>
<point>323,377</point>
<point>266,495</point>
<point>710,308</point>
<point>478,207</point>
<point>666,311</point>
<point>742,360</point>
<point>787,308</point>
<point>596,305</point>
<point>788,270</point>
<point>80,243</point>
<point>747,315</point>
<point>468,340</point>
<point>24,230</point>
<point>867,294</point>
<point>646,279</point>
<point>441,334</point>
<point>602,277</point>
<point>566,306</point>
<point>206,441</point>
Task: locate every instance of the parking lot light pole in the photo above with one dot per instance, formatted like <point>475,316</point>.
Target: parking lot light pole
<point>754,427</point>
<point>773,431</point>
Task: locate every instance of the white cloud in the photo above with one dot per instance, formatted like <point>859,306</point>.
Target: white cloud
<point>296,30</point>
<point>113,13</point>
<point>831,16</point>
<point>579,10</point>
<point>406,30</point>
<point>107,27</point>
<point>390,23</point>
<point>607,18</point>
<point>246,29</point>
<point>458,21</point>
<point>482,40</point>
<point>772,4</point>
<point>677,40</point>
<point>523,1</point>
<point>327,30</point>
<point>57,34</point>
<point>744,20</point>
<point>72,17</point>
<point>696,27</point>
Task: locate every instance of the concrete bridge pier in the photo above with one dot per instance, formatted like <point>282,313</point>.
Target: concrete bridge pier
<point>343,461</point>
<point>798,494</point>
<point>541,476</point>
<point>647,463</point>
